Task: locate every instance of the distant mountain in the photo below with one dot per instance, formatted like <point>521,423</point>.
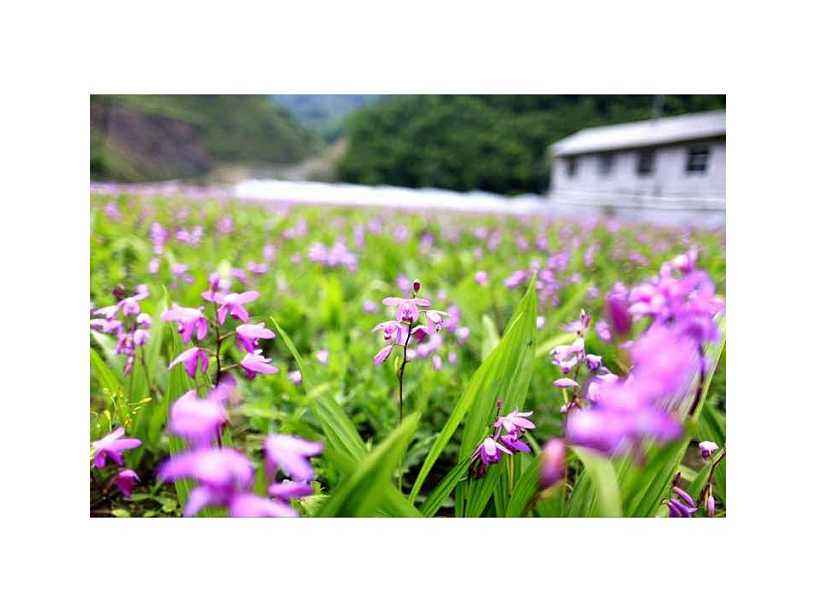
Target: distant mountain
<point>324,113</point>
<point>149,138</point>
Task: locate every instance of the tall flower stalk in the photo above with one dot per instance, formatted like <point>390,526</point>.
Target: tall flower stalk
<point>406,328</point>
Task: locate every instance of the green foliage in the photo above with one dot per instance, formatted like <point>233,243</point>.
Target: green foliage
<point>351,405</point>
<point>505,375</point>
<point>365,489</point>
<point>603,486</point>
<point>484,142</point>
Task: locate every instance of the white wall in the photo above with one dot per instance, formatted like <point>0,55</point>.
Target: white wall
<point>668,180</point>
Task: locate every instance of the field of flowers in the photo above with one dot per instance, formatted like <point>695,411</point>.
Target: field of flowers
<point>253,360</point>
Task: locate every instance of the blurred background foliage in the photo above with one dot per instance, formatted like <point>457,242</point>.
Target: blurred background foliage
<point>493,143</point>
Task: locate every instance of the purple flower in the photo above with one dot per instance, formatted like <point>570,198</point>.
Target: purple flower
<point>296,377</point>
<point>111,447</point>
<point>515,423</point>
<point>617,309</point>
<point>126,481</point>
<point>407,308</point>
<point>221,472</point>
<point>383,354</point>
<point>514,443</point>
<point>369,307</point>
<point>581,325</point>
<point>710,505</point>
<point>108,311</point>
<point>257,268</point>
<point>565,383</point>
<point>603,330</point>
<point>664,359</point>
<point>106,326</point>
<point>322,356</point>
<point>192,358</point>
<point>552,463</point>
<point>179,270</point>
<point>190,321</point>
<point>593,362</point>
<point>288,489</point>
<point>678,509</point>
<point>488,452</point>
<point>481,278</point>
<point>684,507</point>
<point>393,332</point>
<point>140,337</point>
<point>255,363</point>
<point>248,335</point>
<point>247,505</point>
<point>233,304</point>
<point>197,420</point>
<point>707,449</point>
<point>290,454</point>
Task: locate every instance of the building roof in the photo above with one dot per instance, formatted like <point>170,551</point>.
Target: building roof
<point>643,133</point>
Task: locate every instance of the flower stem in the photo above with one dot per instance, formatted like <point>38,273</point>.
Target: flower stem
<point>402,371</point>
<point>401,399</point>
<point>218,340</point>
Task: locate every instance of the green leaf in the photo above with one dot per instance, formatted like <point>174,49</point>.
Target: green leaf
<point>601,474</point>
<point>505,373</point>
<point>363,491</point>
<point>337,426</point>
<point>490,338</point>
<point>343,443</point>
<point>106,377</point>
<point>444,488</point>
<point>523,492</point>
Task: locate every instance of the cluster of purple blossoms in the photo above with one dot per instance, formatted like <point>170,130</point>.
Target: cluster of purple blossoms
<point>405,327</point>
<point>506,440</point>
<point>336,256</point>
<point>127,322</point>
<point>190,237</point>
<point>225,476</point>
<point>683,505</point>
<point>111,447</point>
<point>194,326</point>
<point>622,412</point>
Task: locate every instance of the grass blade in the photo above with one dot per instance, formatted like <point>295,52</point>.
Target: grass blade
<point>362,492</point>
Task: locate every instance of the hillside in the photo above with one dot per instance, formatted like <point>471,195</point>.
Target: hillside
<point>148,138</point>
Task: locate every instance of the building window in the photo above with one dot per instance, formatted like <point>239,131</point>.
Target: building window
<point>605,163</point>
<point>572,166</point>
<point>645,162</point>
<point>697,160</point>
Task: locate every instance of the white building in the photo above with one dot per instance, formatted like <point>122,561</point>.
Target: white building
<point>671,168</point>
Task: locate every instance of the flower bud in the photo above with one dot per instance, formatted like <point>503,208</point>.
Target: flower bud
<point>710,505</point>
<point>417,286</point>
<point>707,449</point>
